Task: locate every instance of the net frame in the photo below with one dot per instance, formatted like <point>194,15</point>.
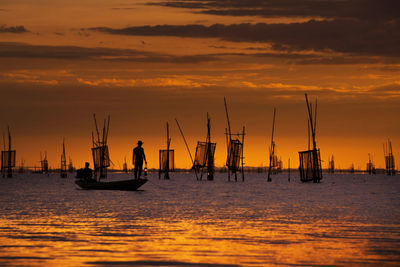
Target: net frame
<point>45,165</point>
<point>8,159</point>
<point>331,166</point>
<point>63,163</point>
<point>163,160</point>
<point>389,163</point>
<point>101,157</point>
<point>234,155</point>
<point>203,151</point>
<point>370,167</point>
<point>307,168</point>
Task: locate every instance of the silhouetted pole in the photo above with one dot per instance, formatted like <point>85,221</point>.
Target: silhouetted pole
<point>369,164</point>
<point>227,147</point>
<point>272,147</point>
<point>242,156</point>
<point>3,167</point>
<point>311,123</point>
<point>210,159</point>
<point>9,171</point>
<point>187,147</point>
<point>227,118</point>
<point>63,171</point>
<point>108,128</point>
<point>289,170</point>
<point>314,153</point>
<point>229,134</point>
<point>97,128</point>
<point>166,175</point>
<point>102,157</point>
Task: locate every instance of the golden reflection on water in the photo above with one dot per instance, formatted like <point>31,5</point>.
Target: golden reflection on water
<point>62,240</point>
<point>346,220</point>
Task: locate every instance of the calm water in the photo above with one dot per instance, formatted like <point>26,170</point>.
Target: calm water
<point>345,220</point>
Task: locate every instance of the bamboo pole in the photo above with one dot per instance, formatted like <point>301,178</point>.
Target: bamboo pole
<point>210,160</point>
<point>271,148</point>
<point>97,129</point>
<point>166,174</point>
<point>187,147</point>
<point>229,134</point>
<point>9,171</point>
<point>242,156</point>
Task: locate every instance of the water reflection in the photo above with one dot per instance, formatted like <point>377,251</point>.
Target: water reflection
<point>156,228</point>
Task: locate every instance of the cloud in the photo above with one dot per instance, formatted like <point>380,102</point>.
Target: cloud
<point>22,50</point>
<point>28,51</point>
<point>330,9</point>
<point>28,77</point>
<point>387,90</point>
<point>123,8</point>
<point>12,29</point>
<point>155,82</point>
<point>341,35</point>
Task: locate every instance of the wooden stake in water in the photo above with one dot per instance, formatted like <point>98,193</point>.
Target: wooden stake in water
<point>271,148</point>
<point>210,156</point>
<point>187,147</point>
<point>63,169</point>
<point>166,175</point>
<point>235,158</point>
<point>9,171</point>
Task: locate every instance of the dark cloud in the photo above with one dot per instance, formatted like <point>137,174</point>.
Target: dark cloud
<point>123,8</point>
<point>27,51</point>
<point>393,88</point>
<point>12,29</point>
<point>220,47</point>
<point>333,9</point>
<point>21,50</point>
<point>344,36</point>
<point>390,68</point>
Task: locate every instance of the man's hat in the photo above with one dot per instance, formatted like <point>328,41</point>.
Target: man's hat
<point>139,142</point>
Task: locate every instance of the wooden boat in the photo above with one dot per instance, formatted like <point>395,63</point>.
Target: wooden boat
<point>125,185</point>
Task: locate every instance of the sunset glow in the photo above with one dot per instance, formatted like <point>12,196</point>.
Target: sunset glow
<point>148,62</point>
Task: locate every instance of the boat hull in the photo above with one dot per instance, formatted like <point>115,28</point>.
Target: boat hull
<point>124,185</point>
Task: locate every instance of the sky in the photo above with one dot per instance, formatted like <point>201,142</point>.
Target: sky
<point>145,63</point>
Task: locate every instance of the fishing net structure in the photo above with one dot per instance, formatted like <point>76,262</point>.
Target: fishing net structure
<point>310,165</point>
<point>389,162</point>
<point>63,168</point>
<point>331,165</point>
<point>167,162</point>
<point>63,165</point>
<point>310,160</point>
<point>101,157</point>
<point>389,158</point>
<point>234,155</point>
<point>8,159</point>
<point>234,159</point>
<point>45,165</point>
<point>204,154</point>
<point>370,168</point>
<point>276,165</point>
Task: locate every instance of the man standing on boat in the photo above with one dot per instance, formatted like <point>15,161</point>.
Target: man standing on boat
<point>137,159</point>
<point>86,173</point>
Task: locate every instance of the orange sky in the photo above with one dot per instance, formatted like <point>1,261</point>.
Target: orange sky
<point>71,59</point>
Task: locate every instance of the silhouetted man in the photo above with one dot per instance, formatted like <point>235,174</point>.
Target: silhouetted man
<point>86,173</point>
<point>137,159</point>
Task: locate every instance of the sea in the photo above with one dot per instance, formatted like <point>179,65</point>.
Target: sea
<point>346,220</point>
